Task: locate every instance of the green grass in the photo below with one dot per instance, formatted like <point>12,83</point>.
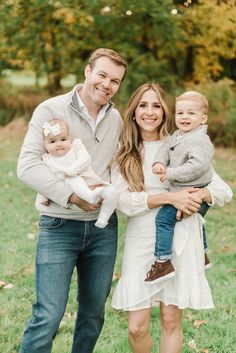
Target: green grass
<point>19,218</point>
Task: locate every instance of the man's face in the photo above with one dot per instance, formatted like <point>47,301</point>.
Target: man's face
<point>102,81</point>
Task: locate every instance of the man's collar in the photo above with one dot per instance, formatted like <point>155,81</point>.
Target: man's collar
<point>82,106</point>
<point>75,100</point>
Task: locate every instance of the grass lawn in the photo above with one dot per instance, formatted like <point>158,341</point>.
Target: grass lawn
<point>214,333</point>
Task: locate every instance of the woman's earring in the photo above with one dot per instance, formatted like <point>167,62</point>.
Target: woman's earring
<point>133,118</point>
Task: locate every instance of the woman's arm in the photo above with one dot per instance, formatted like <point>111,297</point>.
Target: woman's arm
<point>220,192</point>
<point>137,203</point>
<point>217,192</point>
<point>187,200</point>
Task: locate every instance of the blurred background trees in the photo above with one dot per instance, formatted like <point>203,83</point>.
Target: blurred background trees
<point>180,44</point>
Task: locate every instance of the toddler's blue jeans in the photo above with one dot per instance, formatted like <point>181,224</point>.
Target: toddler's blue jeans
<point>165,224</point>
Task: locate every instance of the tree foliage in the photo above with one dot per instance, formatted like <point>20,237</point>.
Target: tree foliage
<point>169,41</point>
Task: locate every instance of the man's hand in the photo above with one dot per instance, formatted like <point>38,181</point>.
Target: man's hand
<point>86,206</point>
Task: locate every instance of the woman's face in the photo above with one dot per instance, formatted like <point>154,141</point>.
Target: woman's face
<point>149,116</point>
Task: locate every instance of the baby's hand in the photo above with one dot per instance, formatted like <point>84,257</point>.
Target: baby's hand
<point>158,168</point>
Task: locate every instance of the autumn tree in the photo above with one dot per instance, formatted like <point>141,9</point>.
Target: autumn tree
<point>209,36</point>
<point>166,41</point>
<point>47,37</point>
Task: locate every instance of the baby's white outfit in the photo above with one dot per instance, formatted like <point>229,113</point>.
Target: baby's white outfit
<point>76,169</point>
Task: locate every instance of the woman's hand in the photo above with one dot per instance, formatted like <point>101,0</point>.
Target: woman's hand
<point>203,194</point>
<point>187,201</point>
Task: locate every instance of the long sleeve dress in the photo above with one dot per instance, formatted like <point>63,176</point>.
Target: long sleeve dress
<point>189,288</point>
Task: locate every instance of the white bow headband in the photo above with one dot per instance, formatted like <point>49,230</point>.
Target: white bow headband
<point>51,129</point>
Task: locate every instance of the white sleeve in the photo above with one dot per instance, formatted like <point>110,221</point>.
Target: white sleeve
<point>128,203</point>
<point>220,192</point>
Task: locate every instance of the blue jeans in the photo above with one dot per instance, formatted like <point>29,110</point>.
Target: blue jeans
<point>63,245</point>
<point>165,224</point>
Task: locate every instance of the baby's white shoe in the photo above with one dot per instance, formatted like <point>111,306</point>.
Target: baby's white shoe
<point>101,223</point>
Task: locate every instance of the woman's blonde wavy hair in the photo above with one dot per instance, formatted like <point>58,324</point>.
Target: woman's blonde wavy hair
<point>129,157</point>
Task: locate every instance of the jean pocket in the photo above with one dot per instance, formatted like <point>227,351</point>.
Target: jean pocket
<point>47,222</point>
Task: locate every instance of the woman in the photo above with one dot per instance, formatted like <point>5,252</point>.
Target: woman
<point>147,122</point>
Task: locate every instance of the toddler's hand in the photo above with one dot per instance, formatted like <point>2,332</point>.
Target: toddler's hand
<point>163,177</point>
<point>158,168</point>
<point>179,215</point>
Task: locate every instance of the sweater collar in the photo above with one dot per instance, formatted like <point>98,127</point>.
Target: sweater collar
<point>75,104</point>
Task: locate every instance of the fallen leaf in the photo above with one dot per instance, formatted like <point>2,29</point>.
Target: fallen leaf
<point>26,202</point>
<point>189,316</point>
<point>192,345</point>
<point>199,323</point>
<point>204,350</point>
<point>2,284</point>
<point>8,286</point>
<point>231,270</point>
<point>69,315</point>
<point>31,236</point>
<point>115,277</point>
<point>226,249</point>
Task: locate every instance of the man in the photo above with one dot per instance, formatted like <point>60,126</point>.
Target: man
<point>67,235</point>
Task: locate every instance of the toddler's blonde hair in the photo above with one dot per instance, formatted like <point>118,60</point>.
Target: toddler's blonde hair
<point>195,97</point>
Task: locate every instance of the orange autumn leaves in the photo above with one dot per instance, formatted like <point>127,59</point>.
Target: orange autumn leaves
<point>197,324</point>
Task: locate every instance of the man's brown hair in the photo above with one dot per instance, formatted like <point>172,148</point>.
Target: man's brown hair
<point>109,53</point>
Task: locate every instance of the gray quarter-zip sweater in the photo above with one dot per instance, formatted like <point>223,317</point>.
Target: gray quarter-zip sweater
<point>188,158</point>
<point>101,145</point>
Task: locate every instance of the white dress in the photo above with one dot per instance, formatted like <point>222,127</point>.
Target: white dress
<point>189,288</point>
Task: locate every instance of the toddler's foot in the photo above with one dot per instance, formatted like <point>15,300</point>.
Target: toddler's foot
<point>208,263</point>
<point>159,272</point>
<point>101,223</point>
<point>95,195</point>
